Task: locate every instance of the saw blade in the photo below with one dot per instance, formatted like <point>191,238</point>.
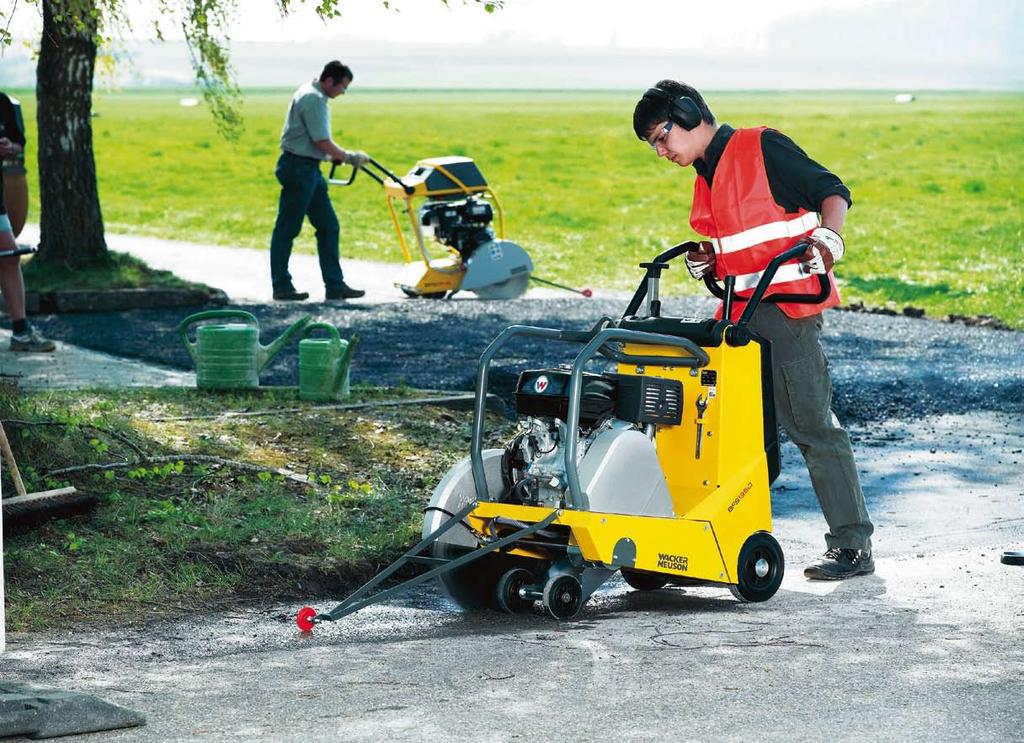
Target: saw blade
<point>508,289</point>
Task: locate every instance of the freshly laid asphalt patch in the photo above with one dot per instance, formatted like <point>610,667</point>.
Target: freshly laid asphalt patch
<point>883,367</point>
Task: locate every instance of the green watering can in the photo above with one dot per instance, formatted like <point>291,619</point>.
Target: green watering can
<point>324,364</point>
<point>229,355</point>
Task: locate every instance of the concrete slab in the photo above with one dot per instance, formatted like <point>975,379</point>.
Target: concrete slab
<point>52,713</point>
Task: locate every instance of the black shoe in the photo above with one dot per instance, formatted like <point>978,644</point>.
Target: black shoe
<point>289,294</point>
<point>837,564</point>
<point>345,292</point>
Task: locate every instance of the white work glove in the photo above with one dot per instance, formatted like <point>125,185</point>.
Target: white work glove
<point>701,260</point>
<point>825,248</point>
<point>358,158</point>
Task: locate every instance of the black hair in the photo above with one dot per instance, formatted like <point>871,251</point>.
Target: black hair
<point>336,71</point>
<point>652,109</point>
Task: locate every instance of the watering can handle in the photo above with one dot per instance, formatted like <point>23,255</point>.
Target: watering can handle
<point>332,330</point>
<point>190,346</point>
<point>345,361</point>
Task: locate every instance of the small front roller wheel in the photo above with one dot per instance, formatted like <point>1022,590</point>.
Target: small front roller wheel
<point>563,596</point>
<point>305,618</point>
<point>508,591</point>
<point>643,581</point>
<point>759,568</point>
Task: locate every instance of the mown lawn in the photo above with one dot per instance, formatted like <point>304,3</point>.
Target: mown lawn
<point>937,221</point>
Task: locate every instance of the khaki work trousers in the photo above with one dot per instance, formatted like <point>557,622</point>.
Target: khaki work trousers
<point>803,405</point>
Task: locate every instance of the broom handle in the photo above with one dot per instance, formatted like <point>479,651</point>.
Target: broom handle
<point>5,445</point>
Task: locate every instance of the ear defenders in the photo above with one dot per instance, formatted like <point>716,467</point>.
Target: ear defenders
<point>682,110</point>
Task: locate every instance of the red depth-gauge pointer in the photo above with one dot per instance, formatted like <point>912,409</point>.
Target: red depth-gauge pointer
<point>581,292</point>
<point>304,619</point>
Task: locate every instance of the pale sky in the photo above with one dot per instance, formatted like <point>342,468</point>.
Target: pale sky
<point>607,44</point>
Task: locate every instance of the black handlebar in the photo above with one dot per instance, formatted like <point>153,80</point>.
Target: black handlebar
<point>725,293</point>
<point>368,167</point>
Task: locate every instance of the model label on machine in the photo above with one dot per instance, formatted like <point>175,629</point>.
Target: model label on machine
<point>708,378</point>
<point>672,562</point>
<point>541,384</point>
<point>495,251</point>
<point>741,496</point>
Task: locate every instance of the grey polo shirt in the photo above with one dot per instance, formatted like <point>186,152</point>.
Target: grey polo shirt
<point>307,121</point>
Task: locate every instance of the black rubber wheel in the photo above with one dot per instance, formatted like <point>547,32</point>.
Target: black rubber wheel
<point>473,586</point>
<point>1012,557</point>
<point>563,597</point>
<point>643,581</point>
<point>759,569</point>
<point>507,591</point>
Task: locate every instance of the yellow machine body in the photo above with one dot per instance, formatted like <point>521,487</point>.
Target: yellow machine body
<point>719,499</point>
<point>435,178</point>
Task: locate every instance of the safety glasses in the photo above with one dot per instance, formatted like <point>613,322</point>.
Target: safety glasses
<point>661,136</point>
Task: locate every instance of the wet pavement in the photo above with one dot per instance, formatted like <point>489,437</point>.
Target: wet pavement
<point>926,649</point>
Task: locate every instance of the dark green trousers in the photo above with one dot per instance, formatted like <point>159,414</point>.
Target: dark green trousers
<point>803,404</point>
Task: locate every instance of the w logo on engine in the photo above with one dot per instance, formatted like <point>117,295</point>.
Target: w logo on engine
<point>541,384</point>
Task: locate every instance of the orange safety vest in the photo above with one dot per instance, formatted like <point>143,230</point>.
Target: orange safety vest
<point>748,228</point>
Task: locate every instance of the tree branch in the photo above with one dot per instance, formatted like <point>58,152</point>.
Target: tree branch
<point>244,466</point>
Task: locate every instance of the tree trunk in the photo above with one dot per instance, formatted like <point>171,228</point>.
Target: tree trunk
<point>70,221</point>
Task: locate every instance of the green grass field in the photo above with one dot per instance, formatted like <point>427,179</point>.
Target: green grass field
<point>937,218</point>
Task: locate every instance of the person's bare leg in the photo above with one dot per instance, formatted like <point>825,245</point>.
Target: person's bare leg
<point>11,282</point>
<point>25,338</point>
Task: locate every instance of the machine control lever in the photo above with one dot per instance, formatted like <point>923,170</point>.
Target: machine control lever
<point>702,405</point>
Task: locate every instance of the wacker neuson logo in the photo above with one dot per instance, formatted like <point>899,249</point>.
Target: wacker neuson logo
<point>672,562</point>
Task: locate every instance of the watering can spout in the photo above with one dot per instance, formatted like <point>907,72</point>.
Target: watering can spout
<point>271,350</point>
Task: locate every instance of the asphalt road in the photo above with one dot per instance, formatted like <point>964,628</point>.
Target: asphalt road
<point>926,649</point>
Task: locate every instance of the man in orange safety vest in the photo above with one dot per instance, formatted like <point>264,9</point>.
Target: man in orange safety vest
<point>757,194</point>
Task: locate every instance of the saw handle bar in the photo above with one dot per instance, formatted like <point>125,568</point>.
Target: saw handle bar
<point>369,168</point>
<point>726,294</point>
<point>599,340</point>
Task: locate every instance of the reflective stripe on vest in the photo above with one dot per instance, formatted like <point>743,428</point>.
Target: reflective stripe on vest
<point>749,228</point>
<point>787,272</point>
<point>765,232</point>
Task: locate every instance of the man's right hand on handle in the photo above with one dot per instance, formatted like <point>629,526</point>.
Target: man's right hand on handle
<point>701,261</point>
<point>357,158</point>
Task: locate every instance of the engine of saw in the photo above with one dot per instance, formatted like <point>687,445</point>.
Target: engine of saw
<point>464,225</point>
<point>615,440</point>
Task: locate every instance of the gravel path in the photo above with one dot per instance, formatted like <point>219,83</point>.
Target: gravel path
<point>883,367</point>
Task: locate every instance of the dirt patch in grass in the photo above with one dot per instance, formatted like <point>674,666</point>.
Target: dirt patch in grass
<point>197,509</point>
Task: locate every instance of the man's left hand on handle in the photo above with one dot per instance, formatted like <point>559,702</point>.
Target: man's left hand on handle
<point>825,248</point>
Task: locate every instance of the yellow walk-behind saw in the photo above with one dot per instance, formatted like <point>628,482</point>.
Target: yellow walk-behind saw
<point>457,208</point>
<point>660,469</point>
